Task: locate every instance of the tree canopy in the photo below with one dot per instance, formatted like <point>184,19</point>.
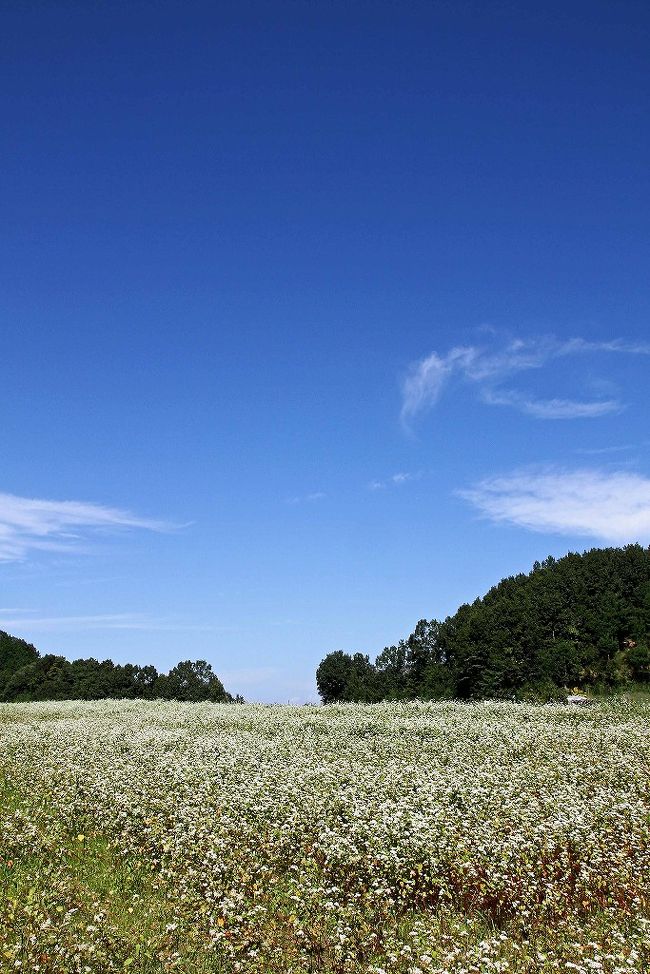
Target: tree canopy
<point>26,675</point>
<point>579,621</point>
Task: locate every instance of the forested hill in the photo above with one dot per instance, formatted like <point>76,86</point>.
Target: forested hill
<point>580,621</point>
<point>26,675</point>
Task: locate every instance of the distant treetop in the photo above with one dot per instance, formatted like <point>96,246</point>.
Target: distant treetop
<point>26,675</point>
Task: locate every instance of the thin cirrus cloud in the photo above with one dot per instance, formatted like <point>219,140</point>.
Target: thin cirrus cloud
<point>317,495</point>
<point>552,408</point>
<point>25,620</point>
<point>396,480</point>
<point>487,369</point>
<point>604,450</point>
<point>30,524</point>
<point>613,506</point>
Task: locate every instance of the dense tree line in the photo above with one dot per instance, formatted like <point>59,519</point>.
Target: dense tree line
<point>580,621</point>
<point>26,675</point>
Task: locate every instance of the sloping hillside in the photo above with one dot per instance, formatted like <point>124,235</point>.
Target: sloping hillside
<point>579,621</point>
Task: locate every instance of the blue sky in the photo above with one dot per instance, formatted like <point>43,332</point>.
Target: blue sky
<point>317,319</point>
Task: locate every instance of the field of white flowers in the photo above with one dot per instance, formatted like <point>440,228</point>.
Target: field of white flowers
<point>462,838</point>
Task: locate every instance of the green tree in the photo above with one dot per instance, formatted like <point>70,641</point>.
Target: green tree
<point>638,660</point>
<point>392,672</point>
<point>194,681</point>
<point>580,620</point>
<point>334,676</point>
<point>14,654</point>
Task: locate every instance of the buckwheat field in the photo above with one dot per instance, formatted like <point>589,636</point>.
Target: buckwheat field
<point>150,837</point>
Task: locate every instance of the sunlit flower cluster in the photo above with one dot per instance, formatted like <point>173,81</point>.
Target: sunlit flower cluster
<point>412,838</point>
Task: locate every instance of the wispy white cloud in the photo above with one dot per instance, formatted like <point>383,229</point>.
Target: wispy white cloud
<point>574,345</point>
<point>613,506</point>
<point>317,495</point>
<point>487,368</point>
<point>24,619</point>
<point>603,450</point>
<point>396,480</point>
<point>30,524</point>
<point>423,385</point>
<point>551,408</point>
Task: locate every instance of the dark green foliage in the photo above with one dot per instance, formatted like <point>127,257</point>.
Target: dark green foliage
<point>581,621</point>
<point>333,676</point>
<point>638,659</point>
<point>190,681</point>
<point>25,675</point>
<point>344,677</point>
<point>14,653</point>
